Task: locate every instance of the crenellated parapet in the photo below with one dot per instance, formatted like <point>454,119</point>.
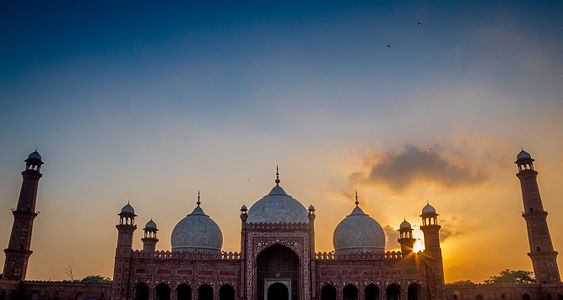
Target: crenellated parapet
<point>186,255</point>
<point>380,255</point>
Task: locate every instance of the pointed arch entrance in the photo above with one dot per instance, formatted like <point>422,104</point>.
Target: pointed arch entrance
<point>277,270</point>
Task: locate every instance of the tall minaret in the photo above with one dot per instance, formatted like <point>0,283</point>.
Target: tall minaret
<point>432,252</point>
<point>18,251</point>
<point>544,258</point>
<point>122,268</point>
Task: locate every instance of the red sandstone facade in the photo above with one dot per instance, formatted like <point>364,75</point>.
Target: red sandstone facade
<point>278,261</point>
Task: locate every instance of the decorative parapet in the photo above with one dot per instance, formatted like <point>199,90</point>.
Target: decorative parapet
<point>380,255</point>
<point>278,226</point>
<point>187,255</point>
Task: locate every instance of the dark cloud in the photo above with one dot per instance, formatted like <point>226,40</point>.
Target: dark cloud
<point>399,170</point>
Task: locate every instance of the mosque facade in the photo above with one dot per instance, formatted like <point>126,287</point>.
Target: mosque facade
<point>278,259</point>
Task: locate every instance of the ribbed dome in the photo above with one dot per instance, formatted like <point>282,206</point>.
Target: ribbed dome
<point>405,225</point>
<point>128,209</point>
<point>358,232</point>
<point>34,155</point>
<point>277,207</point>
<point>523,154</point>
<point>428,209</point>
<point>197,232</point>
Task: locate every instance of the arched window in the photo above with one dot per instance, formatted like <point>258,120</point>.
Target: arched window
<point>205,292</point>
<point>141,291</point>
<point>393,292</point>
<point>415,292</point>
<point>525,297</point>
<point>371,292</point>
<point>183,292</point>
<point>328,292</point>
<point>350,292</point>
<point>227,292</point>
<point>479,297</point>
<point>162,292</point>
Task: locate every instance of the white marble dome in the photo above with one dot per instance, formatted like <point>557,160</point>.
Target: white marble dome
<point>358,232</point>
<point>197,232</point>
<point>277,208</point>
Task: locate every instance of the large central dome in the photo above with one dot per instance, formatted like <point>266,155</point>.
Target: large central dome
<point>277,208</point>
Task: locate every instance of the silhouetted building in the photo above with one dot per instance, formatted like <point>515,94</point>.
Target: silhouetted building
<point>278,259</point>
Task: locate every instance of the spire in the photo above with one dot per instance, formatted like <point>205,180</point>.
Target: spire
<point>277,176</point>
<point>198,198</point>
<point>357,202</point>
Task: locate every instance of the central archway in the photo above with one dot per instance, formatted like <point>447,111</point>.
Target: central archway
<point>277,264</point>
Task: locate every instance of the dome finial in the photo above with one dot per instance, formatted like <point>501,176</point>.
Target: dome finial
<point>198,197</point>
<point>277,176</point>
<point>357,202</point>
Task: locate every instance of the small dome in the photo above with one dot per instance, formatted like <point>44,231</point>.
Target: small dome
<point>128,209</point>
<point>405,225</point>
<point>197,232</point>
<point>358,232</point>
<point>34,155</point>
<point>150,225</point>
<point>428,209</point>
<point>243,208</point>
<point>277,207</point>
<point>523,154</point>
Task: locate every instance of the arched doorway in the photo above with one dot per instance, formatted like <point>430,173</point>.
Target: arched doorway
<point>3,295</point>
<point>415,292</point>
<point>205,292</point>
<point>393,292</point>
<point>525,297</point>
<point>328,292</point>
<point>162,292</point>
<point>350,292</point>
<point>78,296</point>
<point>559,297</point>
<point>141,291</point>
<point>277,264</point>
<point>479,297</point>
<point>372,292</point>
<point>227,292</point>
<point>183,292</point>
<point>35,296</point>
<point>278,291</point>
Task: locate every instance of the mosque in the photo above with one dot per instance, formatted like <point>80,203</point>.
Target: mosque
<point>278,259</point>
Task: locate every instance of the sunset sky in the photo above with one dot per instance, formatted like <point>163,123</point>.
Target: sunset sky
<point>403,102</point>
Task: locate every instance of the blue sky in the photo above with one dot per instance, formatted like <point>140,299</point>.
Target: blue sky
<point>148,102</point>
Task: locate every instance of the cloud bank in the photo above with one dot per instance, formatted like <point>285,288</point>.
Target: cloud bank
<point>399,170</point>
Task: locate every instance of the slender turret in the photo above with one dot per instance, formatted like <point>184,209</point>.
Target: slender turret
<point>18,251</point>
<point>432,252</point>
<point>544,258</point>
<point>405,237</point>
<point>150,239</point>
